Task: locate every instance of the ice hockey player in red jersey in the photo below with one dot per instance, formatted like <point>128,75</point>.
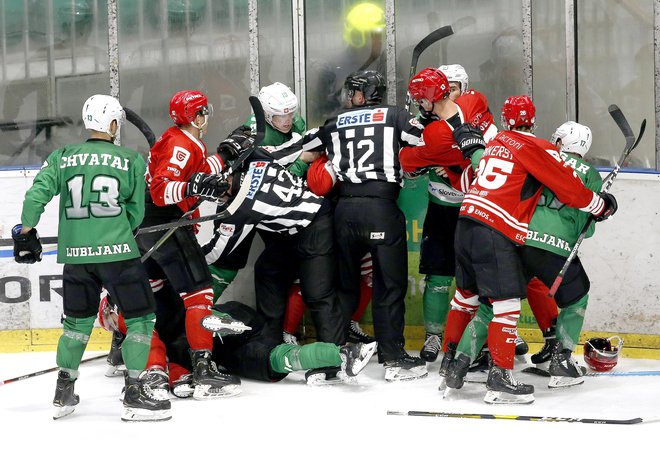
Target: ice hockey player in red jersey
<point>178,173</point>
<point>445,102</point>
<point>493,222</point>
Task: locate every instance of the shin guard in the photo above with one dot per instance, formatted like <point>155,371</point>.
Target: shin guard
<point>502,332</point>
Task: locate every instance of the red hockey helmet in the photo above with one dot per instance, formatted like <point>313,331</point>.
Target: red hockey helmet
<point>518,111</point>
<point>186,104</point>
<point>601,354</point>
<point>430,84</point>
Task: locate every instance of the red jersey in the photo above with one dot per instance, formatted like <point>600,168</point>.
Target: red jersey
<point>172,160</point>
<point>438,147</point>
<point>510,177</point>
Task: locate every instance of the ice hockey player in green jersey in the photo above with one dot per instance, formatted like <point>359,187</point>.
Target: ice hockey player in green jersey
<point>101,187</point>
<point>553,230</point>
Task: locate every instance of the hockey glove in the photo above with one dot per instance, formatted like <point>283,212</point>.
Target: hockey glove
<point>469,139</point>
<point>426,117</point>
<point>27,247</point>
<point>610,206</point>
<point>239,140</point>
<point>207,186</point>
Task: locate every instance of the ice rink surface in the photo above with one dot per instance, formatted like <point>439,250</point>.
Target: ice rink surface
<point>292,418</point>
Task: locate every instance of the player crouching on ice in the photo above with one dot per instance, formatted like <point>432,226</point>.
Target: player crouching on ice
<point>101,187</point>
<point>240,348</point>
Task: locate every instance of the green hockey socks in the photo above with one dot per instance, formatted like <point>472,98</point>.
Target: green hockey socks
<point>476,333</point>
<point>221,279</point>
<point>135,348</point>
<point>72,343</point>
<point>286,358</point>
<point>436,303</point>
<point>569,323</point>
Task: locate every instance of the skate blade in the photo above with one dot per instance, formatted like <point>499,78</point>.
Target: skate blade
<point>205,392</point>
<point>63,411</point>
<point>493,397</point>
<point>366,353</point>
<point>477,377</point>
<point>114,371</point>
<point>144,415</point>
<point>558,382</point>
<point>443,383</point>
<point>397,374</point>
<point>319,379</point>
<point>220,326</point>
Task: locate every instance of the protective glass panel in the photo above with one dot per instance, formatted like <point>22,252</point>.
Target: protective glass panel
<point>487,41</point>
<point>172,45</point>
<point>275,42</point>
<point>549,65</point>
<point>44,46</point>
<point>615,55</point>
<point>350,37</point>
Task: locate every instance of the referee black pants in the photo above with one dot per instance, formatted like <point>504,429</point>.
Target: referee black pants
<point>375,225</point>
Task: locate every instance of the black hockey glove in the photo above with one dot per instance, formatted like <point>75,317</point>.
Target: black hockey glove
<point>426,117</point>
<point>469,139</point>
<point>207,186</point>
<point>238,140</point>
<point>27,247</point>
<point>610,206</point>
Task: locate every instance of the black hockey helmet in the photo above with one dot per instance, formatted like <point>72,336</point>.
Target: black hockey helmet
<point>371,83</point>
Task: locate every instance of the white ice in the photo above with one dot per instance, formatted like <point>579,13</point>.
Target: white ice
<point>290,417</point>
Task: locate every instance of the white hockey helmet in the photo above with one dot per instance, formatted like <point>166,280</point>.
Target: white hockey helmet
<point>575,138</point>
<point>99,111</point>
<point>456,73</point>
<point>277,99</point>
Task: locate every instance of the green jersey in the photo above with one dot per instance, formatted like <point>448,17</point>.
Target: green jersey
<point>554,226</point>
<point>102,190</point>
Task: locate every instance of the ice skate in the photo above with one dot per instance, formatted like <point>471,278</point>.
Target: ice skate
<point>146,398</point>
<point>405,368</point>
<point>222,324</point>
<point>504,389</point>
<point>115,360</point>
<point>564,370</point>
<point>457,371</point>
<point>290,338</point>
<point>357,335</point>
<point>354,357</point>
<point>478,370</point>
<point>182,387</point>
<point>522,347</point>
<point>65,400</point>
<point>208,382</point>
<point>327,376</point>
<point>444,365</point>
<point>542,358</point>
<point>431,348</point>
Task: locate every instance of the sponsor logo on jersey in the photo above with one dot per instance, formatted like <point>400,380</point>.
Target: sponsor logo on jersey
<point>227,229</point>
<point>174,171</point>
<point>361,117</point>
<point>256,174</point>
<point>180,156</point>
<point>377,236</point>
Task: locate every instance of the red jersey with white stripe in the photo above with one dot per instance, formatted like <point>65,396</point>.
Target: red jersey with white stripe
<point>172,160</point>
<point>438,147</point>
<point>510,177</point>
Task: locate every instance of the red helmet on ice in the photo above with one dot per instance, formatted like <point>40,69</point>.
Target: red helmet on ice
<point>518,111</point>
<point>601,354</point>
<point>430,84</point>
<point>187,104</point>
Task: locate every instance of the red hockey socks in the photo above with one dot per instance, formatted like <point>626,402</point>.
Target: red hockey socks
<point>543,307</point>
<point>464,306</point>
<point>157,353</point>
<point>295,308</point>
<point>197,306</point>
<point>502,332</point>
<point>365,299</point>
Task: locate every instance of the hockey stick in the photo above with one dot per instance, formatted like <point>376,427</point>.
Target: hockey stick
<point>48,370</point>
<point>514,417</point>
<point>543,373</point>
<point>631,144</point>
<point>136,120</point>
<point>435,35</point>
<point>233,165</point>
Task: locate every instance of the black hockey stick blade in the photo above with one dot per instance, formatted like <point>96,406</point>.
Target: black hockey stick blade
<point>516,417</point>
<point>642,128</point>
<point>260,118</point>
<point>48,370</point>
<point>141,125</point>
<point>623,124</point>
<point>435,35</point>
